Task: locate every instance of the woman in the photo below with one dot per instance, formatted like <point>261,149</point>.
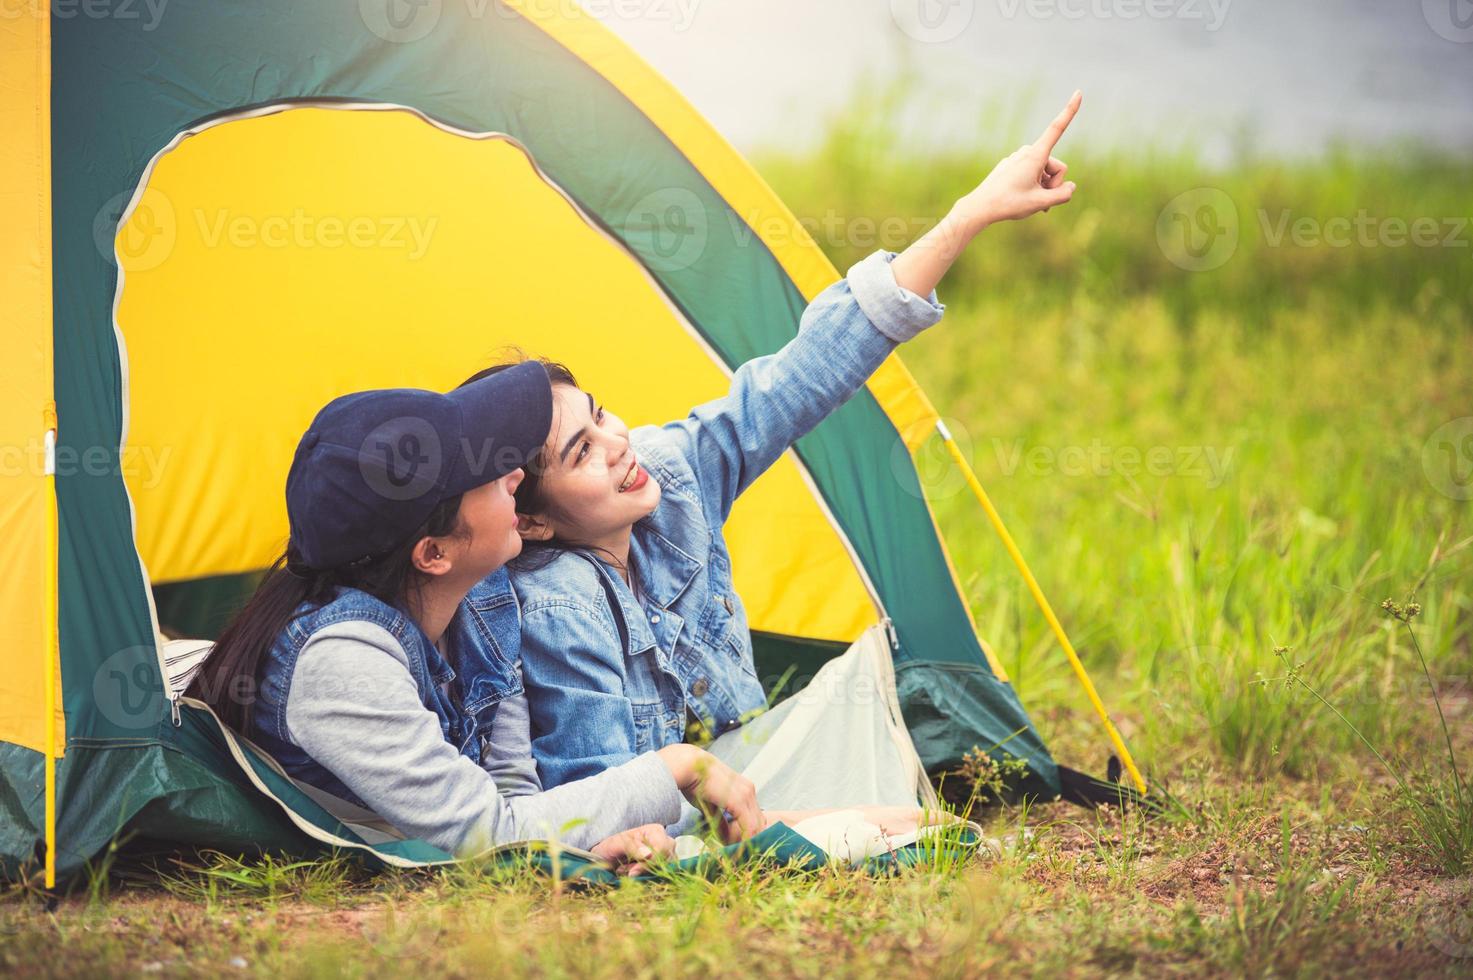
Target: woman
<point>631,627</point>
<point>378,660</point>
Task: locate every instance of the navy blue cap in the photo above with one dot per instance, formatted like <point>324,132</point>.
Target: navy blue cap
<point>374,464</point>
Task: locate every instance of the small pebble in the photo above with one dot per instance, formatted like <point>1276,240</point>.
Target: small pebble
<point>239,962</point>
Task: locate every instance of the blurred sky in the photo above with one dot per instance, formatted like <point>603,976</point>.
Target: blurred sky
<point>1281,77</point>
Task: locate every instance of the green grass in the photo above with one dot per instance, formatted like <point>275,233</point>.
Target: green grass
<point>1317,377</point>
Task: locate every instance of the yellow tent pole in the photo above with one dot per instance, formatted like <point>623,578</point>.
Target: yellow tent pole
<point>50,643</point>
<point>1038,596</point>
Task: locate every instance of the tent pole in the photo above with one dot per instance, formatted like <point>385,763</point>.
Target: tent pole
<point>50,644</point>
<point>1043,604</point>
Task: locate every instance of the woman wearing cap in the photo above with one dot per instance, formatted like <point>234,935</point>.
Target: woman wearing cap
<point>630,622</point>
<point>378,660</point>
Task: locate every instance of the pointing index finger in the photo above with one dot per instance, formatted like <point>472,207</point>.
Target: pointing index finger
<point>1050,137</point>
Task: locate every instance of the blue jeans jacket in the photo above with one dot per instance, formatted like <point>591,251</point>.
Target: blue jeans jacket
<point>607,680</point>
<point>483,636</point>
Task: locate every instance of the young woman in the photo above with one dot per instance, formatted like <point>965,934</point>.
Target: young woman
<point>378,660</point>
<point>631,628</point>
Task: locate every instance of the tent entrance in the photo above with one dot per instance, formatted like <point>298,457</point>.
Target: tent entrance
<point>263,235</point>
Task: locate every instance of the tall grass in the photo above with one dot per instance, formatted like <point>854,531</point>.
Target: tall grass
<point>1292,396</point>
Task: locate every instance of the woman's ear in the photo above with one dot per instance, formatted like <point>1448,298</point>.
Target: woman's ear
<point>429,556</point>
<point>533,528</point>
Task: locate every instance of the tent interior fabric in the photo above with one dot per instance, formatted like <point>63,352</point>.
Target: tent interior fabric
<point>220,218</point>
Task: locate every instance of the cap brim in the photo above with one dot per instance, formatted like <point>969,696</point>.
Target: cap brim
<point>505,418</point>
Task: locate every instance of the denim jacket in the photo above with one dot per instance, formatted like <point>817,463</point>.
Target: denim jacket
<point>607,679</point>
<point>483,635</point>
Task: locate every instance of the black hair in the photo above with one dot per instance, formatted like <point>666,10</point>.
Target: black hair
<point>229,678</point>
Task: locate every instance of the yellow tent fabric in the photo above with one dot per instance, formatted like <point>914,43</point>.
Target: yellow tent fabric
<point>262,292</point>
<point>27,497</point>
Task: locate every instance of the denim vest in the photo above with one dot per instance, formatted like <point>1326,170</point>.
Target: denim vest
<point>608,679</point>
<point>483,639</point>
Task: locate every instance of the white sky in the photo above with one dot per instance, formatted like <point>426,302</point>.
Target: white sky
<point>1288,76</point>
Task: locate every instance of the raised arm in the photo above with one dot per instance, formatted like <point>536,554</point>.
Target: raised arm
<point>851,327</point>
<point>1028,181</point>
<point>845,334</point>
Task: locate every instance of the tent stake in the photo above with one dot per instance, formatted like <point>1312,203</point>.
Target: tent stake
<point>1038,596</point>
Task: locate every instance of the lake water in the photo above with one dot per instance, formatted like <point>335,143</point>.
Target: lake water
<point>1226,76</point>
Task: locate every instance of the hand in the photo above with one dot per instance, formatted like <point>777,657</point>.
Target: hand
<point>1024,183</point>
<point>713,785</point>
<point>630,851</point>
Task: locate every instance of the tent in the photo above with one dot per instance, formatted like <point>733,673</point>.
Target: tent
<point>219,215</point>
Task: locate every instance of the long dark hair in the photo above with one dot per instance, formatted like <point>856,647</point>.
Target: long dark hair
<point>229,678</point>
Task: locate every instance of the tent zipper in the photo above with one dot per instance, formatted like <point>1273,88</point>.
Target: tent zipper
<point>174,706</point>
<point>889,625</point>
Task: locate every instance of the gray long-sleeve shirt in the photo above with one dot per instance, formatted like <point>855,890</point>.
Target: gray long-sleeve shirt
<point>354,707</point>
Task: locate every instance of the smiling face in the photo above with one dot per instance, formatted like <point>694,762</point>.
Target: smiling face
<point>590,489</point>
